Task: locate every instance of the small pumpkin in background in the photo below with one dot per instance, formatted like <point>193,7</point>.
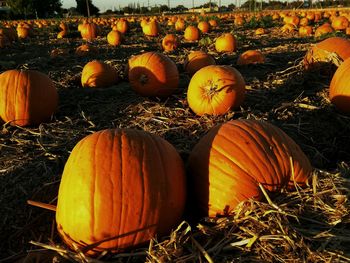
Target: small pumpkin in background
<point>27,97</point>
<point>340,23</point>
<point>170,42</point>
<point>119,189</point>
<point>114,38</point>
<point>213,23</point>
<point>228,163</point>
<point>197,60</point>
<point>215,90</point>
<point>226,43</point>
<point>327,51</point>
<point>153,74</point>
<point>339,90</point>
<point>323,29</point>
<point>151,28</point>
<point>305,31</point>
<point>89,31</point>
<point>260,31</point>
<point>97,74</point>
<point>85,49</point>
<point>23,32</point>
<point>251,57</point>
<point>122,26</point>
<point>204,26</point>
<point>191,33</point>
<point>180,25</point>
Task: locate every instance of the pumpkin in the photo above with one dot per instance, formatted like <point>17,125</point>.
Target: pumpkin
<point>260,31</point>
<point>191,33</point>
<point>62,34</point>
<point>89,31</point>
<point>153,74</point>
<point>97,74</point>
<point>180,25</point>
<point>170,42</point>
<point>322,52</point>
<point>122,26</point>
<point>339,91</point>
<point>197,60</point>
<point>27,97</point>
<point>23,32</point>
<point>340,23</point>
<point>119,189</point>
<point>215,90</point>
<point>213,23</point>
<point>63,27</point>
<point>114,38</point>
<point>323,29</point>
<point>226,43</point>
<point>305,31</point>
<point>288,28</point>
<point>251,57</point>
<point>203,26</point>
<point>85,49</point>
<point>151,28</point>
<point>228,163</point>
<point>304,21</point>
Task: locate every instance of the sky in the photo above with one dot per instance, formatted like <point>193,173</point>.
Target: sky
<point>103,5</point>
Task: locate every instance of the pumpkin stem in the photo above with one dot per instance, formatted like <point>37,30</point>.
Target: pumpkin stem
<point>42,205</point>
<point>143,79</point>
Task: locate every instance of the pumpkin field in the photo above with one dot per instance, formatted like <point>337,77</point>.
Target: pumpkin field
<point>219,137</point>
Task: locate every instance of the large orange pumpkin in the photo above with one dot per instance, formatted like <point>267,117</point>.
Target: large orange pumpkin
<point>215,89</point>
<point>151,28</point>
<point>322,51</point>
<point>27,97</point>
<point>197,60</point>
<point>119,189</point>
<point>97,74</point>
<point>114,38</point>
<point>339,91</point>
<point>227,165</point>
<point>226,43</point>
<point>153,74</point>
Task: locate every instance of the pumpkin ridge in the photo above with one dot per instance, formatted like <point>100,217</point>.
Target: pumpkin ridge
<point>122,167</point>
<point>257,141</point>
<point>244,153</point>
<point>111,180</point>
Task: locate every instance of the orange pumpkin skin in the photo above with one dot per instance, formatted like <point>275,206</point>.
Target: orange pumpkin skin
<point>324,29</point>
<point>97,74</point>
<point>27,97</point>
<point>153,74</point>
<point>228,163</point>
<point>114,38</point>
<point>180,25</point>
<point>251,57</point>
<point>226,43</point>
<point>23,32</point>
<point>260,31</point>
<point>197,60</point>
<point>305,31</point>
<point>85,49</point>
<point>215,90</point>
<point>191,33</point>
<point>62,34</point>
<point>170,42</point>
<point>213,23</point>
<point>120,184</point>
<point>339,90</point>
<point>320,52</point>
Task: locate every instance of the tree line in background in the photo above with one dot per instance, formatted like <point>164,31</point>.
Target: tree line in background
<point>53,8</point>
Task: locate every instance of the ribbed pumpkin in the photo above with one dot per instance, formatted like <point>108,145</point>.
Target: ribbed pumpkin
<point>197,60</point>
<point>251,57</point>
<point>120,186</point>
<point>27,97</point>
<point>322,51</point>
<point>97,74</point>
<point>153,74</point>
<point>229,162</point>
<point>215,90</point>
<point>226,43</point>
<point>170,42</point>
<point>339,91</point>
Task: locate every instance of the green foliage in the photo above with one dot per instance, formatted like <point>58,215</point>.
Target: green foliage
<point>264,22</point>
<point>205,42</point>
<point>332,34</point>
<point>40,8</point>
<point>82,8</point>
